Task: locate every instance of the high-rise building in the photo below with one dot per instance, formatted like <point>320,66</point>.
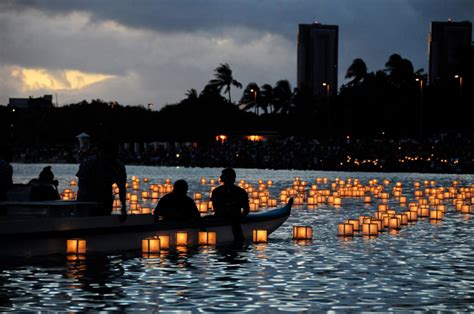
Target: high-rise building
<point>449,49</point>
<point>317,58</point>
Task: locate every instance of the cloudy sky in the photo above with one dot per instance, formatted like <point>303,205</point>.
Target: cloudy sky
<point>152,51</point>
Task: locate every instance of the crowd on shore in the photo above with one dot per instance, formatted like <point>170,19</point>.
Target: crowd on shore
<point>441,153</point>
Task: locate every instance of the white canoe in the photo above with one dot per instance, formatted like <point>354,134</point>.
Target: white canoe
<point>38,236</point>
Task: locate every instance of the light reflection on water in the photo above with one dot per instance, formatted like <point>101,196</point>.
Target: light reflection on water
<point>423,267</point>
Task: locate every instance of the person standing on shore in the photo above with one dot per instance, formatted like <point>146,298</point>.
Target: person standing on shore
<point>6,171</point>
<point>96,176</point>
<point>231,202</point>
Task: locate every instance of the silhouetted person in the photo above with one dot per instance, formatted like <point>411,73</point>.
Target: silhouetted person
<point>6,171</point>
<point>177,206</point>
<point>231,202</point>
<point>44,188</point>
<point>96,176</point>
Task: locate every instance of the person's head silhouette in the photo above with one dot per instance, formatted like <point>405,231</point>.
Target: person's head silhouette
<point>180,187</point>
<point>228,176</point>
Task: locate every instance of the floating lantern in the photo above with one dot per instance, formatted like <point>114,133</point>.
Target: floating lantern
<point>207,238</point>
<point>403,219</point>
<point>345,229</point>
<point>403,199</point>
<point>151,245</point>
<point>203,207</point>
<point>441,207</point>
<point>424,211</point>
<point>367,199</point>
<point>73,183</point>
<point>412,215</point>
<point>436,214</point>
<point>164,242</point>
<point>370,229</point>
<point>253,207</point>
<point>76,246</point>
<point>133,198</point>
<point>466,209</point>
<point>302,232</point>
<point>394,223</point>
<point>181,238</point>
<point>337,201</point>
<point>260,236</point>
<point>379,223</point>
<point>146,210</point>
<point>197,196</point>
<point>382,207</point>
<point>145,194</point>
<point>355,223</point>
<point>203,180</point>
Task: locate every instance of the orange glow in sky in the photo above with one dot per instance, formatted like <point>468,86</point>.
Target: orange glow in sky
<point>65,80</point>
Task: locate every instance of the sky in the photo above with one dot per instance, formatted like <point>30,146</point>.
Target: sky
<point>140,52</point>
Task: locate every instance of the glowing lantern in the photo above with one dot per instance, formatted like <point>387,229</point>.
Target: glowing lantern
<point>403,199</point>
<point>145,195</point>
<point>412,215</point>
<point>203,207</point>
<point>418,193</point>
<point>345,229</point>
<point>441,207</point>
<point>155,195</point>
<point>197,196</point>
<point>76,246</point>
<point>146,210</point>
<point>394,223</point>
<point>466,209</point>
<point>370,229</point>
<point>73,183</point>
<point>260,236</point>
<point>207,238</point>
<point>253,207</point>
<point>203,180</point>
<point>181,238</point>
<point>379,223</point>
<point>302,232</point>
<point>151,245</point>
<point>337,201</point>
<point>403,219</point>
<point>382,207</point>
<point>424,211</point>
<point>436,214</point>
<point>133,198</point>
<point>145,180</point>
<point>355,223</point>
<point>367,199</point>
<point>164,242</point>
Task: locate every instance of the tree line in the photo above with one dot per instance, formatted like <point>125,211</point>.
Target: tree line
<point>395,100</point>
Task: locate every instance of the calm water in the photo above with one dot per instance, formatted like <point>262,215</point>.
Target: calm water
<point>424,267</point>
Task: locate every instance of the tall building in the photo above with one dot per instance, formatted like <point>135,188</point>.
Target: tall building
<point>317,58</point>
<point>449,49</point>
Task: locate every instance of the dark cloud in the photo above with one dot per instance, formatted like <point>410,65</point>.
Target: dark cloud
<point>162,36</point>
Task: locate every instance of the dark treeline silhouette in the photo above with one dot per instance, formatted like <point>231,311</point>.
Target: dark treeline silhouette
<point>396,101</point>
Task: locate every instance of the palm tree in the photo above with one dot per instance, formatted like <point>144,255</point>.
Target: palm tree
<point>266,97</point>
<point>223,78</point>
<point>250,97</point>
<point>357,71</point>
<point>191,94</point>
<point>282,95</point>
<point>400,70</point>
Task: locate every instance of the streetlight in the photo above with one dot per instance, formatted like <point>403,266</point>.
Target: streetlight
<point>254,92</point>
<point>420,109</point>
<point>457,76</point>
<point>327,86</point>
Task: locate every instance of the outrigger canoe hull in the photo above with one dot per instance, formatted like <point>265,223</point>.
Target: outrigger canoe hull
<point>38,236</point>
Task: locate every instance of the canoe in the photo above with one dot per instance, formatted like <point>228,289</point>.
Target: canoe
<point>43,235</point>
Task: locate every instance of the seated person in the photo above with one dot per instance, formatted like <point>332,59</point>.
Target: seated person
<point>45,188</point>
<point>231,202</point>
<point>177,206</point>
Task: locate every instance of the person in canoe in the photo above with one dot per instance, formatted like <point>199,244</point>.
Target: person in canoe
<point>177,206</point>
<point>44,188</point>
<point>231,202</point>
<point>96,176</point>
